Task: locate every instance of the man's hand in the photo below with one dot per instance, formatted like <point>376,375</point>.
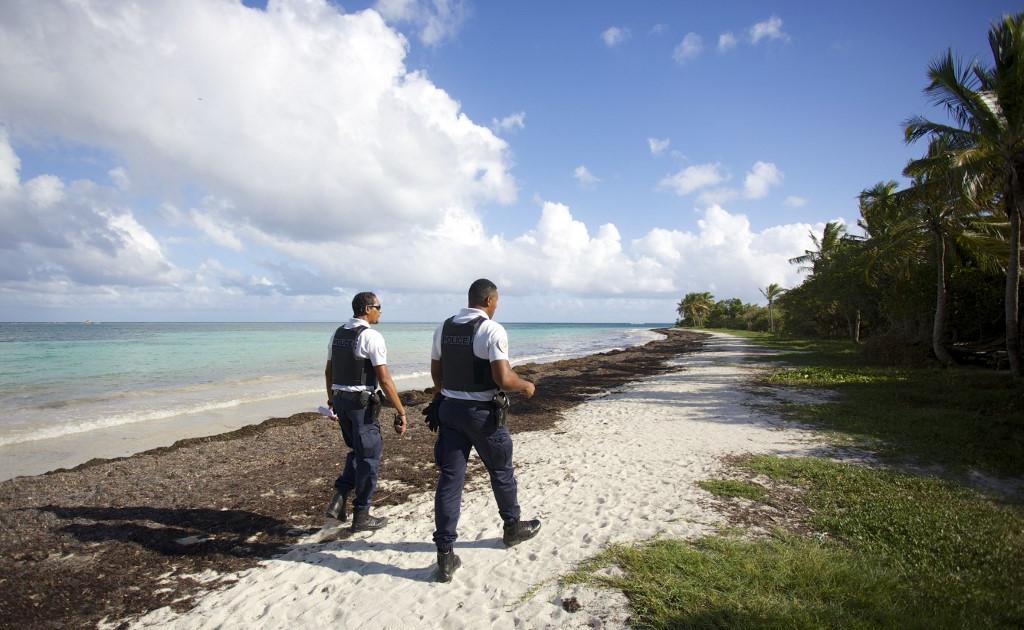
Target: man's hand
<point>400,423</point>
<point>432,413</point>
<point>508,380</point>
<point>529,390</point>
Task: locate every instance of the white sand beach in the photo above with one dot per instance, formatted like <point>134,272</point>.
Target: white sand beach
<point>622,467</point>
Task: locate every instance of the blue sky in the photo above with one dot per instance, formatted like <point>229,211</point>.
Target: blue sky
<point>205,160</point>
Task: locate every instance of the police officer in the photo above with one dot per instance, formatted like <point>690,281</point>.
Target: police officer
<point>356,366</point>
<point>469,366</point>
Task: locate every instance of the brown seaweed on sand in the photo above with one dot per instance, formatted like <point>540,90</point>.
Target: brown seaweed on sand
<point>115,538</point>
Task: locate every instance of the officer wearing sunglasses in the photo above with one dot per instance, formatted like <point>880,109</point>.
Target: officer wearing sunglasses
<point>356,373</point>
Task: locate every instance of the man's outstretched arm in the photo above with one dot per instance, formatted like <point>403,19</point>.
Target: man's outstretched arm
<point>508,380</point>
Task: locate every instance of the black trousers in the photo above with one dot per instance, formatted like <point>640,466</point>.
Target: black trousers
<point>469,424</point>
<point>362,436</point>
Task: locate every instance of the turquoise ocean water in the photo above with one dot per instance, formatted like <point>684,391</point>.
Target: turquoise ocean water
<point>60,380</point>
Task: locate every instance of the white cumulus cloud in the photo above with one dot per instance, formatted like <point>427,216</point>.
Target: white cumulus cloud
<point>726,41</point>
<point>690,47</point>
<point>9,164</point>
<point>693,178</point>
<point>658,146</point>
<point>215,231</point>
<point>584,176</point>
<point>73,244</point>
<point>56,232</point>
<point>561,253</point>
<point>725,255</point>
<point>614,35</point>
<point>120,178</point>
<point>305,118</point>
<point>510,122</point>
<point>436,20</point>
<point>761,177</point>
<point>770,29</point>
<point>302,131</point>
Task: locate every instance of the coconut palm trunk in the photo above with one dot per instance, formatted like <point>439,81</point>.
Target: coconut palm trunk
<point>853,325</point>
<point>941,300</point>
<point>1013,277</point>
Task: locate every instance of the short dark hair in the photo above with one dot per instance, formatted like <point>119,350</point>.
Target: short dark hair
<point>480,290</point>
<point>361,301</point>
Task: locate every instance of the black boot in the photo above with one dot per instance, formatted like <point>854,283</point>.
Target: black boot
<point>447,563</point>
<point>518,531</point>
<point>338,507</point>
<point>362,521</point>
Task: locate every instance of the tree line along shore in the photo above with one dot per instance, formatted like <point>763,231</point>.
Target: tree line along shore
<point>933,273</point>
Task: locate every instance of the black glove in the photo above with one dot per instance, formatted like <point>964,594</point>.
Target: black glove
<point>432,413</point>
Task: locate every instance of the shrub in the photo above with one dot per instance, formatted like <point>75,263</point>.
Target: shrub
<point>897,350</point>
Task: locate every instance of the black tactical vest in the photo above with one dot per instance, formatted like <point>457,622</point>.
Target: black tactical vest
<point>346,368</point>
<point>463,371</point>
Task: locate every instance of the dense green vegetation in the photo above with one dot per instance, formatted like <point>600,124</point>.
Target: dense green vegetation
<point>933,272</point>
<point>959,418</point>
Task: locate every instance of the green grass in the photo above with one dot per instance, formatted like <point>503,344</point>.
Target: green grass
<point>725,582</point>
<point>829,377</point>
<point>906,552</point>
<point>959,547</point>
<point>834,352</point>
<point>959,417</point>
<point>733,488</point>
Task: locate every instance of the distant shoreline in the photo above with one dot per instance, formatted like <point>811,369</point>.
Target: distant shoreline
<point>53,431</point>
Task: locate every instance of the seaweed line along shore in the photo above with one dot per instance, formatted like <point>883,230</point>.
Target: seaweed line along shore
<point>115,538</point>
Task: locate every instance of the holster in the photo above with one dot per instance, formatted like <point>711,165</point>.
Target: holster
<point>374,405</point>
<point>364,399</point>
<point>501,405</point>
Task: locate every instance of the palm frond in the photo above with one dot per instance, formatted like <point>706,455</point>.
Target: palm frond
<point>955,88</point>
<point>1006,40</point>
<point>917,127</point>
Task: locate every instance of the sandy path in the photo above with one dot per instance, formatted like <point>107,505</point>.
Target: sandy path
<point>621,468</point>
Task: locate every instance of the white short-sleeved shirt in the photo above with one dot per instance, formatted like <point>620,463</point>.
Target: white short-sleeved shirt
<point>371,346</point>
<point>491,343</point>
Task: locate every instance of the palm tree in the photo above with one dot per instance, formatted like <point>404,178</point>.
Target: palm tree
<point>771,292</point>
<point>934,214</point>
<point>879,210</point>
<point>987,141</point>
<point>835,243</point>
<point>696,306</point>
<point>814,260</point>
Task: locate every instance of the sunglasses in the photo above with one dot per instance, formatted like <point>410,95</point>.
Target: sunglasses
<point>376,306</point>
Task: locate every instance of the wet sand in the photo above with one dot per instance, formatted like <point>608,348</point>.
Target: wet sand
<point>115,538</point>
